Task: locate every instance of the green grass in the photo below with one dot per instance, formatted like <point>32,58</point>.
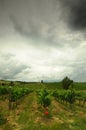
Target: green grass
<point>80,86</point>
<point>55,85</point>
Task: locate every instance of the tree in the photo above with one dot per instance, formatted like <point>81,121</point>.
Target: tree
<point>11,84</point>
<point>66,83</point>
<point>41,81</point>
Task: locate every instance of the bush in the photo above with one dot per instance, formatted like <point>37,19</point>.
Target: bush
<point>66,83</point>
<point>44,97</point>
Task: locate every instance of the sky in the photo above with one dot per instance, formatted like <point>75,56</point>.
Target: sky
<point>43,40</point>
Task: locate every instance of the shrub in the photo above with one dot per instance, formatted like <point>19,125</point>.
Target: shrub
<point>44,97</point>
<point>66,83</point>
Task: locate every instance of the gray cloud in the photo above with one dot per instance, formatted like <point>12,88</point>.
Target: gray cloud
<point>43,21</point>
<point>50,27</point>
<point>79,73</point>
<point>77,13</point>
<point>10,68</point>
<point>41,39</point>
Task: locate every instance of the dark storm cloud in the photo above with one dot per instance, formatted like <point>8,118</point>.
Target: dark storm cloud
<point>77,15</point>
<point>43,20</point>
<point>2,2</point>
<point>32,30</point>
<point>35,19</point>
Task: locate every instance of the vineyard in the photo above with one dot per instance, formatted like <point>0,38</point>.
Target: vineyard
<point>71,97</point>
<point>42,106</point>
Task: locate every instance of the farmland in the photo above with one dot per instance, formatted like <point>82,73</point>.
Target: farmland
<point>20,109</point>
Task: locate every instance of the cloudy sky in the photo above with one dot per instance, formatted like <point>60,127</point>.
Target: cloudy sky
<point>43,39</point>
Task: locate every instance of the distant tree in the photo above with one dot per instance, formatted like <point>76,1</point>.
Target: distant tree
<point>11,84</point>
<point>41,81</point>
<point>66,83</point>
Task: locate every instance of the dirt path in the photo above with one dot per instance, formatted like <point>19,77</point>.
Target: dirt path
<point>13,123</point>
<point>26,104</point>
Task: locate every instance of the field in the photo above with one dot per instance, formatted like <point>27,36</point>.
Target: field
<point>27,114</point>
